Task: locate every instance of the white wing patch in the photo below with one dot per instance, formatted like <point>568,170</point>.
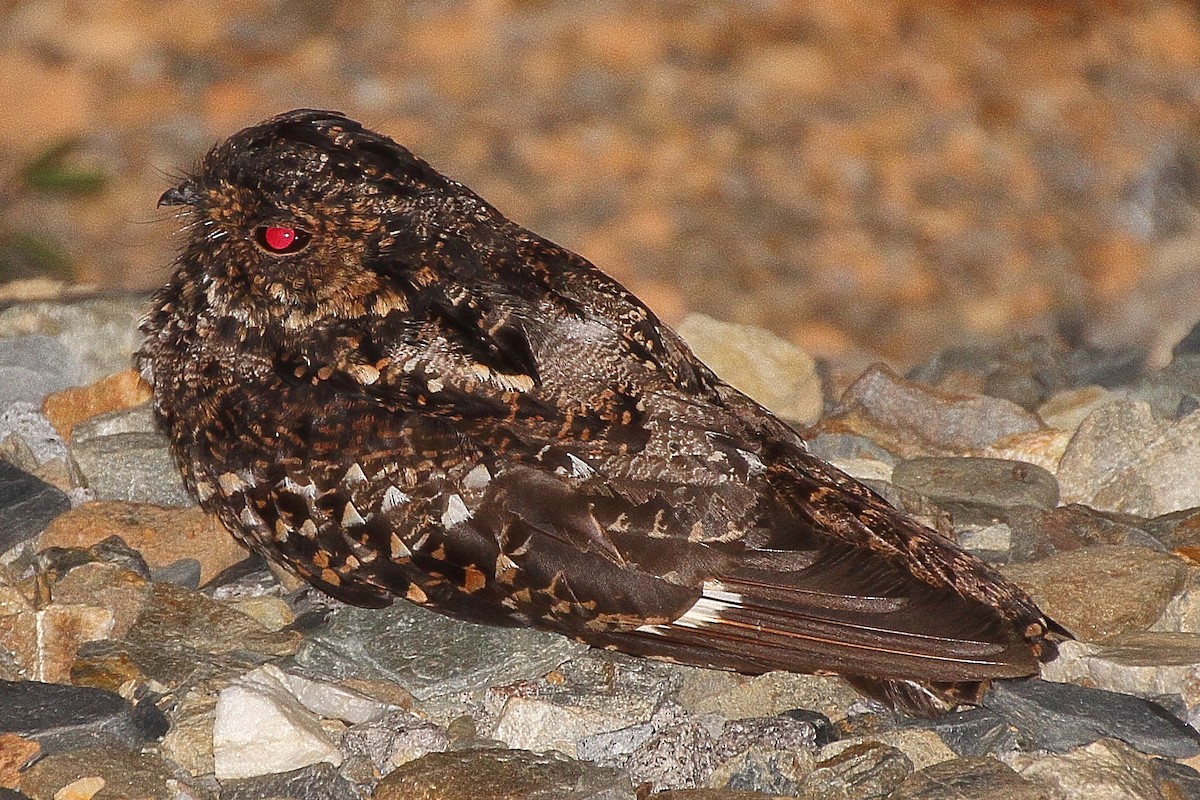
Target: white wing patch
<point>714,601</point>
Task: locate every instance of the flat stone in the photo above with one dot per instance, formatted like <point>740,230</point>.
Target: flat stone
<point>427,653</point>
<point>736,696</point>
<point>316,782</point>
<point>1145,664</point>
<point>1042,448</point>
<point>539,725</point>
<point>1103,770</point>
<point>32,367</point>
<point>1060,717</point>
<point>60,717</point>
<point>613,685</point>
<point>973,490</point>
<point>326,699</point>
<point>502,775</point>
<point>764,771</point>
<point>1103,590</point>
<point>866,770</point>
<point>968,779</point>
<point>136,467</point>
<point>71,406</point>
<point>120,774</point>
<point>134,419</point>
<point>161,535</point>
<point>27,506</point>
<point>922,747</point>
<point>261,728</point>
<point>189,742</point>
<point>98,332</point>
<point>911,419</point>
<point>771,370</point>
<point>1042,532</point>
<point>394,739</point>
<point>974,732</point>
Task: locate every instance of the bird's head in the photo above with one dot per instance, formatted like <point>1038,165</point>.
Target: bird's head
<point>310,213</point>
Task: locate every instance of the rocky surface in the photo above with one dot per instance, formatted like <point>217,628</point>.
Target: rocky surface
<point>142,655</point>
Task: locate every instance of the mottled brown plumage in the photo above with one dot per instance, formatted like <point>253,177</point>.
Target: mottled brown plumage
<point>377,380</point>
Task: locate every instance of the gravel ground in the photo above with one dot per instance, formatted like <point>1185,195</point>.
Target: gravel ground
<point>143,656</point>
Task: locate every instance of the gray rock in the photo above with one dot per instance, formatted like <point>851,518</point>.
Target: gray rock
<point>39,442</point>
<point>427,653</point>
<point>315,782</point>
<point>396,738</point>
<point>848,446</point>
<point>992,543</point>
<point>1175,779</point>
<point>98,332</point>
<point>974,732</point>
<point>534,724</point>
<point>968,779</point>
<point>27,504</point>
<point>614,684</point>
<point>1146,664</point>
<point>131,466</point>
<point>911,419</point>
<point>976,491</point>
<point>185,572</point>
<point>503,773</point>
<point>1061,717</point>
<point>679,754</point>
<point>1039,533</point>
<point>866,771</point>
<point>139,419</point>
<point>32,367</point>
<point>1103,590</point>
<point>63,717</point>
<point>776,772</point>
<point>772,371</point>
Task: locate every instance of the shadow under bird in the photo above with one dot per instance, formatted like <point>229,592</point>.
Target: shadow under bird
<point>377,380</point>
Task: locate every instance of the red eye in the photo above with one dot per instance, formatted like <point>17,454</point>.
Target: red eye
<point>281,238</point>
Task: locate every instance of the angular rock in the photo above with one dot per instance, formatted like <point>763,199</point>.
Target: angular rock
<point>736,696</point>
<point>1124,459</point>
<point>261,728</point>
<point>106,772</point>
<point>680,752</point>
<point>426,653</point>
<point>1040,532</point>
<point>538,725</point>
<point>27,506</point>
<point>189,742</point>
<point>393,739</point>
<point>611,684</point>
<point>99,332</point>
<point>848,447</point>
<point>1042,448</point>
<point>1065,410</point>
<point>1104,770</point>
<point>775,772</point>
<point>968,779</point>
<point>32,367</point>
<point>326,699</point>
<point>974,732</point>
<point>135,467</point>
<point>975,491</point>
<point>866,770</point>
<point>772,371</point>
<point>1104,590</point>
<point>30,443</point>
<point>911,419</point>
<point>921,747</point>
<point>1142,664</point>
<point>503,775</point>
<point>71,406</point>
<point>1060,717</point>
<point>316,782</point>
<point>60,717</point>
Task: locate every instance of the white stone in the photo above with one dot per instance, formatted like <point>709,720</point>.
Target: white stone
<point>261,728</point>
<point>531,724</point>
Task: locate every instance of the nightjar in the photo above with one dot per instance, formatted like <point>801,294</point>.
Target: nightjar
<point>376,379</point>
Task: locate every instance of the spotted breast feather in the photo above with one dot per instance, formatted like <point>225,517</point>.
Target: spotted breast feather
<point>376,379</point>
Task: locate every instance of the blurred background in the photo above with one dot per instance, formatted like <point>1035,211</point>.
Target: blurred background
<point>855,175</point>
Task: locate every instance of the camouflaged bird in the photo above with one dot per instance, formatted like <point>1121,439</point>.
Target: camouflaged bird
<point>376,379</point>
